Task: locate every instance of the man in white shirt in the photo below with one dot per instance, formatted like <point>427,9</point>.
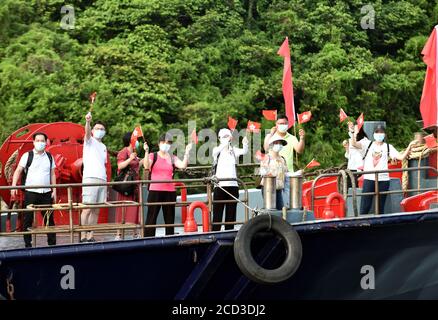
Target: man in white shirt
<point>36,168</point>
<point>225,157</point>
<point>94,160</point>
<point>377,155</point>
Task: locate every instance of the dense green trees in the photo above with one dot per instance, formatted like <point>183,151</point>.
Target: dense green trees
<point>164,62</point>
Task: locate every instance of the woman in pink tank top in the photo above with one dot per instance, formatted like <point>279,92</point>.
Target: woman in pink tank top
<point>161,166</point>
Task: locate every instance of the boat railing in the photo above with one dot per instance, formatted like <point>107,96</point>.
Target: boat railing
<point>344,175</point>
<point>71,207</point>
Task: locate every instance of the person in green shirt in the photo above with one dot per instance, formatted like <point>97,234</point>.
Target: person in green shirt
<point>293,145</point>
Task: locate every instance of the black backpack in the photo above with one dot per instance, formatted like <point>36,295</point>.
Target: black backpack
<point>28,164</point>
<point>125,175</point>
<point>216,160</point>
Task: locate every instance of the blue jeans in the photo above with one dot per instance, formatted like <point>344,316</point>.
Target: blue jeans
<point>278,199</point>
<point>286,192</point>
<point>367,201</point>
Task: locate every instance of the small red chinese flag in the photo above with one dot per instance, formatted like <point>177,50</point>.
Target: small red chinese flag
<point>360,121</point>
<point>194,137</point>
<point>253,126</point>
<point>304,117</point>
<point>312,164</point>
<point>259,155</point>
<point>135,135</point>
<point>232,123</point>
<point>342,115</point>
<point>431,141</point>
<point>93,97</point>
<point>270,115</point>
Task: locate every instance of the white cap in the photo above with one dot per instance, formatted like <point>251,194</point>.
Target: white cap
<point>276,137</point>
<point>224,132</point>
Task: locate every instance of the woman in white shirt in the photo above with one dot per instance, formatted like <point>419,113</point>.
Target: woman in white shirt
<point>225,158</point>
<point>377,155</point>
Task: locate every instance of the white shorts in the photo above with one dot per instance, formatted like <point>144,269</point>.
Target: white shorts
<point>92,195</point>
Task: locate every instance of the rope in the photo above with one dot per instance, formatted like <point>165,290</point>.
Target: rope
<point>216,185</point>
<point>9,166</point>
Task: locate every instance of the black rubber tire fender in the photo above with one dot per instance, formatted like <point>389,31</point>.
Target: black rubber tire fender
<point>243,255</point>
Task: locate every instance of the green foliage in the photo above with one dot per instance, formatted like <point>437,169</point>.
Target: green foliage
<point>162,63</point>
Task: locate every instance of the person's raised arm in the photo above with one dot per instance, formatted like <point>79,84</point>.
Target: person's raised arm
<point>88,118</point>
<point>244,150</point>
<point>354,141</point>
<point>146,161</point>
<point>404,154</point>
<point>299,148</point>
<point>182,164</point>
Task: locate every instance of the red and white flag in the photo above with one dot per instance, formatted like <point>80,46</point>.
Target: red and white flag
<point>137,133</point>
<point>304,117</point>
<point>194,137</point>
<point>342,115</point>
<point>232,123</point>
<point>360,121</point>
<point>312,164</point>
<point>431,141</point>
<point>93,97</point>
<point>288,90</point>
<point>253,126</point>
<point>429,100</point>
<point>270,115</point>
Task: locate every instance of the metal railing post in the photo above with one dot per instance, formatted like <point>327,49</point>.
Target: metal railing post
<point>376,190</point>
<point>140,199</point>
<point>210,201</point>
<point>70,212</point>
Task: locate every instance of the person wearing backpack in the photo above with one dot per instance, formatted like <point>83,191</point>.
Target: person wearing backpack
<point>225,158</point>
<point>161,166</point>
<point>37,168</point>
<point>376,157</point>
<point>274,165</point>
<point>128,163</point>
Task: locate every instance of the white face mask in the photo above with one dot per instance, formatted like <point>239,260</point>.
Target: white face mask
<point>224,140</point>
<point>98,133</point>
<point>39,146</point>
<point>379,137</point>
<point>350,134</point>
<point>277,147</point>
<point>164,147</point>
<point>282,128</point>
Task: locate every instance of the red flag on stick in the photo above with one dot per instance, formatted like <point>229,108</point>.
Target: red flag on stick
<point>253,126</point>
<point>93,97</point>
<point>304,117</point>
<point>194,137</point>
<point>431,141</point>
<point>270,115</point>
<point>342,115</point>
<point>137,133</point>
<point>360,121</point>
<point>232,123</point>
<point>312,164</point>
<point>288,91</point>
<point>429,100</point>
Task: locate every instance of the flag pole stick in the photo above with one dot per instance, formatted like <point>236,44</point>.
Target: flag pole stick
<point>293,150</point>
